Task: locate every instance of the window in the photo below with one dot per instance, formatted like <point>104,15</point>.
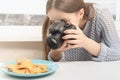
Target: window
<point>20,20</point>
<point>118,10</point>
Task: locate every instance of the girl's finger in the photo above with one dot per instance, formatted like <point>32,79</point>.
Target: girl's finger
<point>72,42</point>
<point>66,37</point>
<point>70,46</point>
<point>71,31</point>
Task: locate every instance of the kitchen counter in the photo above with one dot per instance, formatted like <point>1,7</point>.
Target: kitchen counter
<point>83,70</point>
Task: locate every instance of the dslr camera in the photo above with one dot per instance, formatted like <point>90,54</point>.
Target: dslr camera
<point>56,31</point>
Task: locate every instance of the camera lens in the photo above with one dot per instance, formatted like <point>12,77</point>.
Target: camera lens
<point>54,41</point>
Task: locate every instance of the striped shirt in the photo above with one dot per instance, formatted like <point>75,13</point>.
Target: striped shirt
<point>102,30</point>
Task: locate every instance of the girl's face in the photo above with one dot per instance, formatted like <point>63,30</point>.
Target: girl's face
<point>75,18</point>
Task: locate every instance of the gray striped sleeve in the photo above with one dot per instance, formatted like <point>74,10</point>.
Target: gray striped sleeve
<point>110,45</point>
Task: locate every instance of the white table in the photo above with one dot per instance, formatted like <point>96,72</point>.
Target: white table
<point>79,71</point>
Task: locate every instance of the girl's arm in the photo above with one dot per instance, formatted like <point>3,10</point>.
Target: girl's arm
<point>110,45</point>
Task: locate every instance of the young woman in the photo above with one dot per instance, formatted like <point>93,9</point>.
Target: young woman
<point>95,37</point>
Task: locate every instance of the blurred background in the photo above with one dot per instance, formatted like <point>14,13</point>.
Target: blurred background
<point>20,26</point>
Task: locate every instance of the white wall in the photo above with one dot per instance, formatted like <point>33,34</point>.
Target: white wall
<point>22,6</point>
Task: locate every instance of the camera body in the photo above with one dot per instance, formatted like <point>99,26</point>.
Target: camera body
<point>56,31</point>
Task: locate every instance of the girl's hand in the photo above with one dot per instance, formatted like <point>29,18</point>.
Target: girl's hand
<point>56,55</point>
<point>78,35</point>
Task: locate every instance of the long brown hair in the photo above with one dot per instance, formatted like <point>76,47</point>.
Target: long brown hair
<point>68,6</point>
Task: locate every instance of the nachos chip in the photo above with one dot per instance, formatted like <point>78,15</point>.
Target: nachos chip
<point>25,66</point>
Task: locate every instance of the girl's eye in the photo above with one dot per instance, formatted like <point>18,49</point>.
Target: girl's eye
<point>65,20</point>
<point>52,21</point>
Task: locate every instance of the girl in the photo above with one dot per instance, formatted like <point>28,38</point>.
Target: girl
<point>95,37</point>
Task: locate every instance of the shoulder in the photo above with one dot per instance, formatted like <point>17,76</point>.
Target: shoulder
<point>99,8</point>
<point>103,18</point>
<point>101,11</point>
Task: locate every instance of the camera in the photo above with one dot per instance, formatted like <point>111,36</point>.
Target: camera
<point>56,31</point>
